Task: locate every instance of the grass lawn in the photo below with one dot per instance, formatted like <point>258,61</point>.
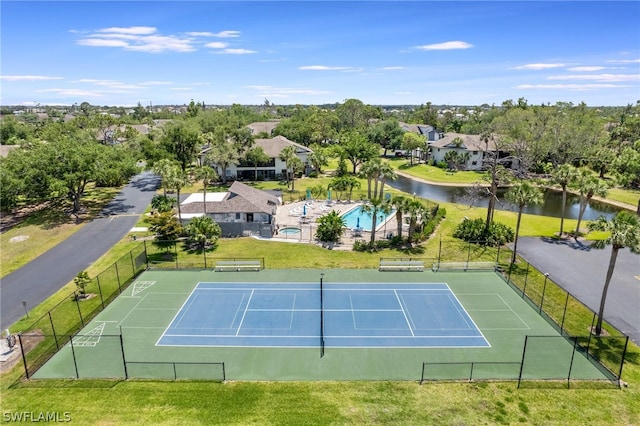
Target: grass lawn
<point>106,402</point>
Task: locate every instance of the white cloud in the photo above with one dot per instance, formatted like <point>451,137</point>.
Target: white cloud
<point>447,45</point>
<point>237,51</point>
<point>98,42</point>
<point>227,34</point>
<point>570,86</point>
<point>28,78</point>
<point>200,34</point>
<point>181,89</point>
<point>597,77</point>
<point>217,45</point>
<point>537,66</point>
<point>392,68</point>
<point>74,93</point>
<point>324,68</point>
<point>155,83</point>
<point>624,61</point>
<point>586,69</point>
<point>129,30</point>
<point>284,92</point>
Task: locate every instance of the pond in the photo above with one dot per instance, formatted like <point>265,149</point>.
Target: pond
<point>552,205</point>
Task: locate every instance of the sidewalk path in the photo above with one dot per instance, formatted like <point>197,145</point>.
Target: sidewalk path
<point>46,274</point>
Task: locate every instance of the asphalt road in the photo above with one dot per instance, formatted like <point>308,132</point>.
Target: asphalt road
<point>581,271</point>
<point>42,277</point>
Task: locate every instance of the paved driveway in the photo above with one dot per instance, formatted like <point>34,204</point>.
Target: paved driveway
<point>581,271</point>
<point>46,274</point>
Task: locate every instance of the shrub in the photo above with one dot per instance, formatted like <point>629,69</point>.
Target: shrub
<point>474,231</point>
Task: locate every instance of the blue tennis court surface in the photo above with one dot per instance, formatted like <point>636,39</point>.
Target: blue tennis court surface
<point>355,315</point>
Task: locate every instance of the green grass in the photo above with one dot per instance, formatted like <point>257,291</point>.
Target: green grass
<point>436,174</point>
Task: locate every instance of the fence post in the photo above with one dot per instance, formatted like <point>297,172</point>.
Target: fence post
<point>133,265</point>
<point>24,358</point>
<point>439,253</point>
<point>100,292</point>
<point>118,277</point>
<point>53,329</point>
<point>73,354</point>
<point>544,288</point>
<point>524,351</point>
<point>124,361</point>
<point>75,296</point>
<point>146,254</point>
<point>624,353</point>
<point>468,255</point>
<point>526,277</point>
<point>204,255</point>
<point>564,313</point>
<point>175,250</point>
<point>573,354</point>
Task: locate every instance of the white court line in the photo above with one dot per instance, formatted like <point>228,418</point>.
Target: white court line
<point>133,309</point>
<point>176,314</point>
<point>471,319</point>
<point>244,313</point>
<point>404,313</point>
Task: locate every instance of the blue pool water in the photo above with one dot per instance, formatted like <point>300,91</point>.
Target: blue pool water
<point>356,216</point>
<point>289,230</point>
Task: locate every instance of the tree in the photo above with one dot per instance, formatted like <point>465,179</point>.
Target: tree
<point>222,154</point>
<point>166,228</point>
<point>564,176</point>
<point>370,170</point>
<point>164,168</point>
<point>203,231</point>
<point>522,194</point>
<point>400,203</point>
<point>626,166</point>
<point>623,231</point>
<point>287,155</point>
<point>416,211</point>
<point>412,141</point>
<point>355,148</point>
<point>178,179</point>
<point>181,139</point>
<point>318,157</point>
<point>373,207</point>
<point>588,186</point>
<point>496,172</point>
<point>387,134</point>
<point>256,156</point>
<point>163,203</point>
<point>331,227</point>
<point>386,173</point>
<point>82,280</point>
<point>344,184</point>
<point>206,174</point>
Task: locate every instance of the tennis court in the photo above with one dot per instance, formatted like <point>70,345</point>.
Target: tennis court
<point>282,325</point>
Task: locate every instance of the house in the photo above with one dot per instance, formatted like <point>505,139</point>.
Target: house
<point>472,147</point>
<point>242,210</point>
<point>272,169</point>
<point>429,132</point>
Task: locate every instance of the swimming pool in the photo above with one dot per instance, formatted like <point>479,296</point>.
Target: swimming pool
<point>289,230</point>
<point>357,218</point>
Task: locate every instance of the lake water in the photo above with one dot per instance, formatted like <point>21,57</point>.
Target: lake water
<point>552,205</point>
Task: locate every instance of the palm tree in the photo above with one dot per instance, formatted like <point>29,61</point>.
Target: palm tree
<point>400,204</point>
<point>522,194</point>
<point>386,173</point>
<point>255,156</point>
<point>203,231</point>
<point>564,176</point>
<point>624,231</point>
<point>416,211</point>
<point>164,168</point>
<point>287,155</point>
<point>206,174</point>
<point>373,208</point>
<point>370,170</point>
<point>177,180</point>
<point>589,186</point>
<point>330,227</point>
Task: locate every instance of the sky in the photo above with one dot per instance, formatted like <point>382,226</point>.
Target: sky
<point>304,52</point>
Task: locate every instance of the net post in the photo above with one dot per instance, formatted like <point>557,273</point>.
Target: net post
<point>422,375</point>
<point>321,315</point>
<point>224,373</point>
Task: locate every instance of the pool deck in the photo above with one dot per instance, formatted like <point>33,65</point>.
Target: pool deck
<point>290,215</point>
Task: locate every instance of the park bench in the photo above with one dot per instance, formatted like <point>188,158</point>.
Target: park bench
<point>237,265</point>
<point>401,265</point>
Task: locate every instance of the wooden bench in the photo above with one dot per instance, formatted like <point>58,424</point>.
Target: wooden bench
<point>464,266</point>
<point>401,265</point>
<point>237,265</point>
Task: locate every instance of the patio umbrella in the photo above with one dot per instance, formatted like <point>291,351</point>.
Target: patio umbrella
<point>304,210</point>
<point>358,222</point>
<point>308,194</point>
<point>329,195</point>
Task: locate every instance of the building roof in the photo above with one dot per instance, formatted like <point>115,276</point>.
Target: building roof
<point>421,129</point>
<point>461,141</point>
<point>263,127</point>
<point>274,146</point>
<point>240,198</point>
